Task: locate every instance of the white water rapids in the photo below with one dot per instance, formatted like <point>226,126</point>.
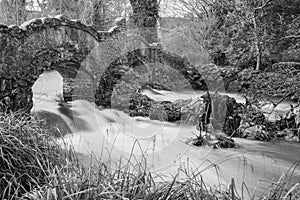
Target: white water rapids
<point>110,134</point>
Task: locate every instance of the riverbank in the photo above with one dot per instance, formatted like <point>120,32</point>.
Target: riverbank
<point>113,136</point>
<point>161,95</point>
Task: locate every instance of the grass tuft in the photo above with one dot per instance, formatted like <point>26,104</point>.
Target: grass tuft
<point>28,155</point>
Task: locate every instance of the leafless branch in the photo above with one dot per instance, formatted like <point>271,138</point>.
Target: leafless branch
<point>291,37</point>
<point>264,5</point>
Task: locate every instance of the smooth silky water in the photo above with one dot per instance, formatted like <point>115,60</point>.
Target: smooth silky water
<point>110,134</point>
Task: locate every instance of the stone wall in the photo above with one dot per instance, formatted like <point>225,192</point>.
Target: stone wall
<point>38,45</point>
<point>57,43</point>
<point>119,70</point>
<point>223,112</point>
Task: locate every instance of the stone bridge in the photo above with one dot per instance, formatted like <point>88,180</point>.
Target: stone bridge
<point>71,48</point>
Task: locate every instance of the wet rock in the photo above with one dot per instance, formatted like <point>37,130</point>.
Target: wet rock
<point>290,135</point>
<point>173,110</point>
<point>254,132</point>
<point>223,112</point>
<point>289,121</point>
<point>158,112</point>
<point>142,105</point>
<point>288,127</point>
<point>191,109</point>
<point>217,142</point>
<point>139,105</point>
<point>224,142</point>
<point>156,86</point>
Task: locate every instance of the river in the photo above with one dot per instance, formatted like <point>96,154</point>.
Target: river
<point>110,134</point>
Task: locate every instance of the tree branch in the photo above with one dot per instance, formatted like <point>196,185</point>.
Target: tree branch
<point>264,5</point>
<point>291,37</point>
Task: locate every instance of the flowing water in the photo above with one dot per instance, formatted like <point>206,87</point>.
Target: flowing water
<point>283,107</point>
<point>111,134</point>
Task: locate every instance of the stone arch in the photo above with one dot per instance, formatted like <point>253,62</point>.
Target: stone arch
<point>49,85</point>
<point>55,43</point>
<point>115,71</point>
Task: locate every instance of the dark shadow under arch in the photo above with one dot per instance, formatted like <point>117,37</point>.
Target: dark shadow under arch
<point>25,55</point>
<point>135,58</point>
<point>54,43</point>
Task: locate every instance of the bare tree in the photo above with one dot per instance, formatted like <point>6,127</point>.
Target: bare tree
<point>96,12</point>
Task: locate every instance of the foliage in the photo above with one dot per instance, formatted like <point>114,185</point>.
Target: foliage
<point>244,31</point>
<point>271,87</point>
<point>100,13</point>
<point>279,82</point>
<point>145,13</point>
<point>29,155</point>
<point>185,40</point>
<point>283,188</point>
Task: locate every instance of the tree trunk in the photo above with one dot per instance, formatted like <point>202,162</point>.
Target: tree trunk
<point>257,43</point>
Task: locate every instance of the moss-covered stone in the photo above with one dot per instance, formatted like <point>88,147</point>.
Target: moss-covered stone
<point>38,45</point>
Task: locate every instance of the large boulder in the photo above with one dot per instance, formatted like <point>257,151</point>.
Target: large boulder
<point>254,132</point>
<point>156,86</point>
<point>172,110</point>
<point>191,110</point>
<point>223,112</point>
<point>142,105</point>
<point>139,105</point>
<point>221,109</point>
<point>157,112</point>
<point>254,125</point>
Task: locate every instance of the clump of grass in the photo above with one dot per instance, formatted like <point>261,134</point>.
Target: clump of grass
<point>97,182</point>
<point>285,188</point>
<point>102,181</point>
<point>28,155</point>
